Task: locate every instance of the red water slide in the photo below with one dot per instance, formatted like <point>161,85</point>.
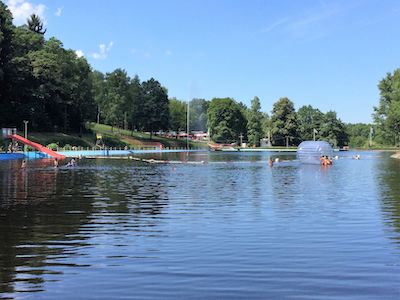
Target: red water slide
<point>37,146</point>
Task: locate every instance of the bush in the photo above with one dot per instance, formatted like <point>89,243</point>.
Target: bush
<point>67,147</point>
<point>52,146</point>
<point>61,139</point>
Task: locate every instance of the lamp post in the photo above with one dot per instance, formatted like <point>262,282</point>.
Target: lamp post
<point>26,133</point>
<point>26,128</point>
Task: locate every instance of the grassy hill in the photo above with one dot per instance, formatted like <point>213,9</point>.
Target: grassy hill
<point>112,137</point>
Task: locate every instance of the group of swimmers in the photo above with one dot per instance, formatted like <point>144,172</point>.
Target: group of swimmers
<point>325,160</point>
<point>71,163</point>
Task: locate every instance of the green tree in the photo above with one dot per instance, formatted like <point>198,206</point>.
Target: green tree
<point>81,92</point>
<point>177,115</point>
<point>226,121</point>
<point>310,120</point>
<point>6,36</point>
<point>155,106</point>
<point>63,94</point>
<point>266,125</point>
<point>333,130</point>
<point>51,95</point>
<point>389,88</point>
<point>358,134</point>
<point>135,110</point>
<point>6,32</point>
<point>254,122</point>
<point>284,122</point>
<point>19,84</point>
<point>35,24</point>
<point>393,121</point>
<point>117,95</point>
<point>99,93</point>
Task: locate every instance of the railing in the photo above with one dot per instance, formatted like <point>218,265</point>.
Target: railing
<point>123,148</point>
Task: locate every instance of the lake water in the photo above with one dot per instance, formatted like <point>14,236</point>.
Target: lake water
<point>232,228</point>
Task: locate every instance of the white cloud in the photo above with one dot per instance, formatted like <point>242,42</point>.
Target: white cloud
<point>79,53</point>
<point>103,51</point>
<point>21,10</point>
<point>58,11</point>
<point>307,25</point>
<point>312,19</point>
<point>276,24</point>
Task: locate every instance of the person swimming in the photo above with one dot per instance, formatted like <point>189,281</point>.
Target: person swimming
<point>325,160</point>
<point>72,163</point>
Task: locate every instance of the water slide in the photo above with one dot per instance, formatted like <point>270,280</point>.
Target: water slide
<point>37,146</point>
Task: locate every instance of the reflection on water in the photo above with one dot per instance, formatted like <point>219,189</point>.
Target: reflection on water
<point>230,228</point>
<point>388,180</point>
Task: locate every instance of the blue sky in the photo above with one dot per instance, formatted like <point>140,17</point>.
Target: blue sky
<point>330,54</point>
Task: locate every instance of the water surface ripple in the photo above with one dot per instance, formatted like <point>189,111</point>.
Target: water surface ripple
<point>231,228</point>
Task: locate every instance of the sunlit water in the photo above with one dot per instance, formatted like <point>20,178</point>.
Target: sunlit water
<point>232,228</point>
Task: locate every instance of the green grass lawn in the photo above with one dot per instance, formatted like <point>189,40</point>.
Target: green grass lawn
<point>108,131</point>
<point>62,139</point>
<point>112,137</point>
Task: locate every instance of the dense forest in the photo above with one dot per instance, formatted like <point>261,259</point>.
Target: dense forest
<point>55,90</point>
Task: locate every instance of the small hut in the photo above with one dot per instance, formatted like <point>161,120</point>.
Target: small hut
<point>310,152</point>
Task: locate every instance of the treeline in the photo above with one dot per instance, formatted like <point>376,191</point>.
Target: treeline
<point>231,121</point>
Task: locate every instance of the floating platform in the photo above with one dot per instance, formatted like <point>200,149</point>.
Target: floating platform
<point>10,156</point>
<point>268,150</point>
<point>108,153</point>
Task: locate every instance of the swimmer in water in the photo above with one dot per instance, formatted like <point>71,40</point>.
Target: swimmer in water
<point>72,163</point>
<point>325,160</point>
